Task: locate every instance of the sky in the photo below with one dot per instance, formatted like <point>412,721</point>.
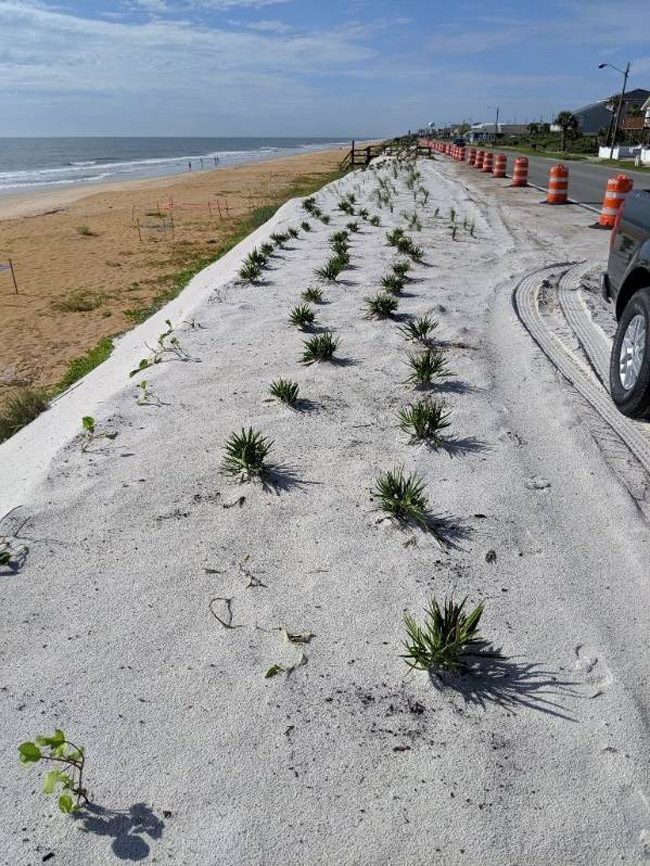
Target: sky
<point>332,68</point>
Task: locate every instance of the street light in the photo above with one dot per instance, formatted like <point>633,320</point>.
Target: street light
<point>625,74</point>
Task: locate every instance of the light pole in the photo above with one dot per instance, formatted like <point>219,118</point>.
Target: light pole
<point>625,74</point>
<point>496,122</point>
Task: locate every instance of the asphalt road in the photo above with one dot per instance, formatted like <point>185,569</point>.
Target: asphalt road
<point>587,181</point>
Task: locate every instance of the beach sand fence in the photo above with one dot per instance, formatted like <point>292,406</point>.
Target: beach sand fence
<point>8,268</point>
<point>163,218</point>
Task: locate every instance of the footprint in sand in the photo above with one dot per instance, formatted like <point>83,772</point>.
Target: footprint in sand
<point>593,670</point>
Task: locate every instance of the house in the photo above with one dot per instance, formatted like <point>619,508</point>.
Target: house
<point>600,115</point>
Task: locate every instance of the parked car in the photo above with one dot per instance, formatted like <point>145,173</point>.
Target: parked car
<point>459,142</point>
<point>626,283</point>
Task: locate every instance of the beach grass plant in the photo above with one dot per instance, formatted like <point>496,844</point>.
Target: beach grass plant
<point>345,206</point>
<point>293,232</point>
<point>331,269</point>
<point>313,295</point>
<point>319,348</point>
<point>246,453</point>
<point>419,330</point>
<point>426,367</point>
<point>445,636</point>
<point>324,218</point>
<point>21,408</point>
<point>375,220</point>
<point>279,239</point>
<point>352,226</point>
<point>401,267</point>
<point>85,231</point>
<point>338,237</point>
<point>392,283</point>
<point>305,226</point>
<point>452,215</point>
<point>403,497</point>
<point>67,762</point>
<point>454,229</point>
<point>364,213</point>
<point>380,306</point>
<point>250,271</point>
<point>81,366</point>
<point>302,317</point>
<point>266,250</point>
<point>406,247</point>
<point>426,420</point>
<point>285,390</point>
<point>394,236</point>
<point>309,204</point>
<point>414,222</point>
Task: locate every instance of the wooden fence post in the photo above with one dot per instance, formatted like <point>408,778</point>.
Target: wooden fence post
<point>13,275</point>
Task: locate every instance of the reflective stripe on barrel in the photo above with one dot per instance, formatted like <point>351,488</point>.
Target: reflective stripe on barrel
<point>520,172</point>
<point>500,163</point>
<point>558,184</point>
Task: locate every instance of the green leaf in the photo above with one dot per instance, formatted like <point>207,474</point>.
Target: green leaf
<point>88,423</point>
<point>52,778</point>
<point>144,363</point>
<point>66,804</point>
<point>273,671</point>
<point>29,753</point>
<point>5,557</point>
<point>57,739</point>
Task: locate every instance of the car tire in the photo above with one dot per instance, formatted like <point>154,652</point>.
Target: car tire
<point>629,369</point>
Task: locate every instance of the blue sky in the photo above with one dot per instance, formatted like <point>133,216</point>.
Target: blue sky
<point>306,67</point>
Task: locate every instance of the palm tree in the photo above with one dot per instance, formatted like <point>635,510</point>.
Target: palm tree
<point>568,124</point>
<point>533,129</point>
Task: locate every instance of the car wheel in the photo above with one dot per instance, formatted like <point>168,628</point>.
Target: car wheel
<point>629,369</point>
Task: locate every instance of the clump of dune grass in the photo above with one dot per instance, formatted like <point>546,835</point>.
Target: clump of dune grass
<point>393,237</point>
<point>426,367</point>
<point>403,497</point>
<point>413,221</point>
<point>445,636</point>
<point>345,206</point>
<point>313,295</point>
<point>85,231</point>
<point>305,226</point>
<point>302,317</point>
<point>338,237</point>
<point>380,306</point>
<point>266,250</point>
<point>406,246</point>
<point>426,420</point>
<point>246,453</point>
<point>285,390</point>
<point>401,267</point>
<point>21,408</point>
<point>392,283</point>
<point>324,218</point>
<point>419,330</point>
<point>293,232</point>
<point>331,269</point>
<point>79,301</point>
<point>279,239</point>
<point>352,226</point>
<point>309,204</point>
<point>375,220</point>
<point>364,213</point>
<point>250,271</point>
<point>319,348</point>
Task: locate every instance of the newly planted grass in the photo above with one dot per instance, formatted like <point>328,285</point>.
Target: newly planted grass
<point>426,368</point>
<point>403,497</point>
<point>266,250</point>
<point>392,283</point>
<point>338,237</point>
<point>302,317</point>
<point>375,220</point>
<point>250,271</point>
<point>305,226</point>
<point>331,269</point>
<point>313,295</point>
<point>293,232</point>
<point>352,226</point>
<point>285,390</point>
<point>246,453</point>
<point>426,420</point>
<point>80,301</point>
<point>406,246</point>
<point>380,306</point>
<point>419,330</point>
<point>319,348</point>
<point>393,237</point>
<point>279,239</point>
<point>446,635</point>
<point>401,267</point>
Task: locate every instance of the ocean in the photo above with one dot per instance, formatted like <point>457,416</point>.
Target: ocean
<point>30,164</point>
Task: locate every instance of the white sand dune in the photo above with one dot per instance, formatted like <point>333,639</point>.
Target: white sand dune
<point>193,757</point>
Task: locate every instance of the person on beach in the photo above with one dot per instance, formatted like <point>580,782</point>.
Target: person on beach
<point>216,160</point>
<point>201,162</point>
<point>189,165</point>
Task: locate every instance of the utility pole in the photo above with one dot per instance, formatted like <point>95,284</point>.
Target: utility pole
<point>625,74</point>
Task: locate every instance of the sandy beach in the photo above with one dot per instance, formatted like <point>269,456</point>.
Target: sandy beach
<point>116,266</point>
<point>153,590</point>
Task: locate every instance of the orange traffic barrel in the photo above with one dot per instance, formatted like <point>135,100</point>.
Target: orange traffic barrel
<point>478,162</point>
<point>488,162</point>
<point>520,172</point>
<point>500,163</point>
<point>558,184</point>
<point>471,159</point>
<point>461,154</point>
<point>617,188</point>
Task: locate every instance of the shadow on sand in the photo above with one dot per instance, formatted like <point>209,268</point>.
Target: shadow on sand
<point>491,678</point>
<point>126,827</point>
